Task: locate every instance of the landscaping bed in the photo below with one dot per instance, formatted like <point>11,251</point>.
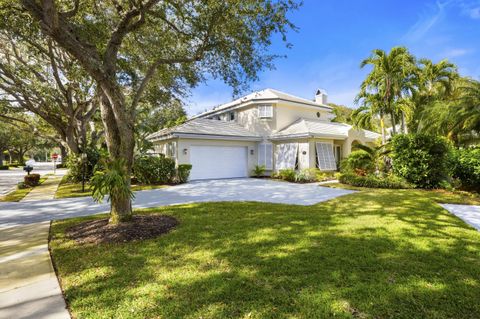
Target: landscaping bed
<point>140,227</point>
<point>372,254</point>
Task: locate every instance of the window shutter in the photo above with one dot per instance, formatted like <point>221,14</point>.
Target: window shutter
<point>326,158</point>
<point>265,155</point>
<point>261,154</point>
<point>269,156</point>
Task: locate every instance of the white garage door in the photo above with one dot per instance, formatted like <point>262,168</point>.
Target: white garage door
<point>218,162</point>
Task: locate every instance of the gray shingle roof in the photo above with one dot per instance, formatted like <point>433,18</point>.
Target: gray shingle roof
<point>204,127</point>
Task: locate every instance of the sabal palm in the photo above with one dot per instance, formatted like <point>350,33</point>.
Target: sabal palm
<point>390,78</point>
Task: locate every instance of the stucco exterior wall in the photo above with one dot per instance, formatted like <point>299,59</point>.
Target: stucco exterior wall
<point>287,114</point>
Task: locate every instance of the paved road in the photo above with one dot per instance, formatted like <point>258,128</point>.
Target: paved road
<point>260,190</point>
<point>10,178</point>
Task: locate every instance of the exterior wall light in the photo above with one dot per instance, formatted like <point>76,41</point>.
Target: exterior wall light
<point>251,152</point>
<point>185,151</point>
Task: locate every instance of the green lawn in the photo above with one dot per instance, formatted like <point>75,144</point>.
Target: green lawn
<point>68,189</point>
<point>372,254</point>
<point>18,194</point>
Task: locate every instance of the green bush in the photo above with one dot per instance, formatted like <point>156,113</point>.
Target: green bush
<point>467,167</point>
<point>372,181</point>
<point>22,185</point>
<point>259,170</point>
<point>75,165</point>
<point>31,180</point>
<point>4,167</point>
<point>287,174</point>
<point>421,159</point>
<point>305,176</point>
<point>359,162</point>
<point>154,170</point>
<point>183,173</point>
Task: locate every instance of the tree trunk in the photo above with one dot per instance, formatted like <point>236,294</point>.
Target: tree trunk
<point>63,152</point>
<point>402,119</point>
<point>394,124</point>
<point>382,126</point>
<point>119,136</point>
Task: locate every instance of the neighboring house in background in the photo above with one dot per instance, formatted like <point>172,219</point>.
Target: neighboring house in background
<point>269,128</point>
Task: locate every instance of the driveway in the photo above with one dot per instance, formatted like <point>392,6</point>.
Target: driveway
<point>468,213</point>
<point>260,190</point>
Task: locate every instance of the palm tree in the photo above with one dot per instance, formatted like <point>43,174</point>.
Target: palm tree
<point>375,153</point>
<point>372,107</point>
<point>390,78</point>
<point>458,116</point>
<point>433,83</point>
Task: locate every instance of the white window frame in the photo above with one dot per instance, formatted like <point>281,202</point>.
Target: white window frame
<point>265,155</point>
<point>265,111</point>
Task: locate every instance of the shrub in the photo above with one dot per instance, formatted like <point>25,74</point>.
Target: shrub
<point>306,176</point>
<point>421,159</point>
<point>22,185</point>
<point>359,162</point>
<point>183,172</point>
<point>466,167</point>
<point>154,170</point>
<point>259,170</point>
<point>372,181</point>
<point>4,167</point>
<point>31,180</point>
<point>75,165</point>
<point>287,174</point>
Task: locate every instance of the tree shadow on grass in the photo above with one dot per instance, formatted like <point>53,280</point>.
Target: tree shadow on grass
<point>344,258</point>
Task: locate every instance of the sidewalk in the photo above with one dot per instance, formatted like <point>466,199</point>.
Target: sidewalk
<point>28,284</point>
<point>46,190</point>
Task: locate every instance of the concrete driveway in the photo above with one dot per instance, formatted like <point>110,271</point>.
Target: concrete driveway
<point>260,190</point>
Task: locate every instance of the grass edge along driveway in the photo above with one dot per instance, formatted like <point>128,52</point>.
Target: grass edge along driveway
<point>372,254</point>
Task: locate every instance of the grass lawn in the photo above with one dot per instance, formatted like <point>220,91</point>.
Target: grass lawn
<point>68,189</point>
<point>372,254</point>
<point>18,194</point>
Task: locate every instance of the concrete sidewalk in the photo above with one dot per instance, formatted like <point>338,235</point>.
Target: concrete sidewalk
<point>28,284</point>
<point>46,190</point>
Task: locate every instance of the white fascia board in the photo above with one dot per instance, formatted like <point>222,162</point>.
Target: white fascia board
<point>217,137</point>
<point>309,135</point>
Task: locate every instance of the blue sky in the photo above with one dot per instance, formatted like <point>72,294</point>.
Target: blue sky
<point>335,35</point>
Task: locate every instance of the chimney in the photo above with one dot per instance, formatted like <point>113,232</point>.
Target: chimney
<point>321,97</point>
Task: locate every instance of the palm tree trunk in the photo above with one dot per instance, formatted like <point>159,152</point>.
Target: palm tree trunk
<point>394,124</point>
<point>382,126</point>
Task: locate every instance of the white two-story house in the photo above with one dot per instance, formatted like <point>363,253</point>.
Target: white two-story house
<point>269,128</point>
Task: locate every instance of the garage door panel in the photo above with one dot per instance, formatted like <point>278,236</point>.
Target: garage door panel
<point>210,162</point>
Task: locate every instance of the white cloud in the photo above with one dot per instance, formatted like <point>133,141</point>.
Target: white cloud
<point>455,53</point>
<point>426,22</point>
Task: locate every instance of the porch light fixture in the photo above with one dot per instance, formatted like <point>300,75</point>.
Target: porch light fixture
<point>251,152</point>
<point>185,151</point>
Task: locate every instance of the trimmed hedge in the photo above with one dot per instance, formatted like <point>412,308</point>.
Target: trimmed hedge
<point>32,180</point>
<point>467,167</point>
<point>371,181</point>
<point>4,167</point>
<point>183,172</point>
<point>154,170</point>
<point>421,159</point>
